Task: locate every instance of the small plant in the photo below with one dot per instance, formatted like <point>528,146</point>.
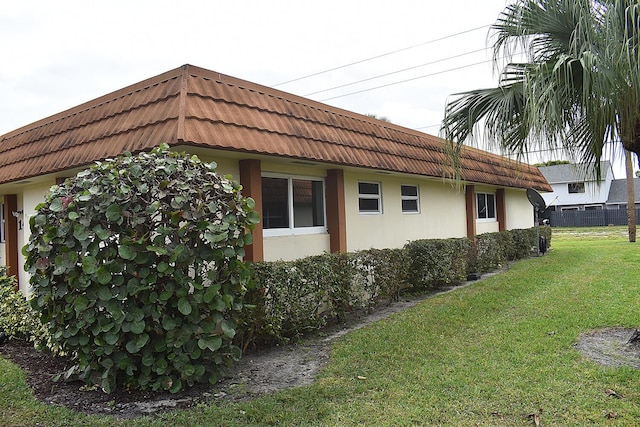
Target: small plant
<point>135,266</point>
<point>17,319</point>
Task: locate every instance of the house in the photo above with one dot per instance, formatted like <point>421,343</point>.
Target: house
<point>618,198</point>
<point>576,187</point>
<point>324,179</point>
<point>579,199</point>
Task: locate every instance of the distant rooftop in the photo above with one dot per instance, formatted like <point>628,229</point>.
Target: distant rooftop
<point>618,191</point>
<point>573,172</point>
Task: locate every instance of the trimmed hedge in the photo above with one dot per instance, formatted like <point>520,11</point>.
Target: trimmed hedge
<point>291,298</point>
<point>437,262</point>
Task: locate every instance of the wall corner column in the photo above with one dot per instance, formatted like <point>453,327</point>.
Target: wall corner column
<point>11,236</point>
<point>470,204</point>
<point>501,209</point>
<point>336,212</point>
<point>251,181</point>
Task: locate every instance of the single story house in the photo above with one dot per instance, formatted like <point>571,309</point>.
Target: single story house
<point>324,179</point>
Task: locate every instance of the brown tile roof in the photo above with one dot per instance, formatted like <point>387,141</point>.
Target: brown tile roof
<point>196,107</point>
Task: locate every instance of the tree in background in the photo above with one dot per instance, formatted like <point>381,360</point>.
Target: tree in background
<point>577,89</point>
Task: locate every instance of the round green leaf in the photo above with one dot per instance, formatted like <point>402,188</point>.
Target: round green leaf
<point>211,343</point>
<point>89,265</point>
<point>104,275</point>
<point>127,252</point>
<point>184,307</point>
<point>137,326</point>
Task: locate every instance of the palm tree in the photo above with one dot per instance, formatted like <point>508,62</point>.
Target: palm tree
<point>577,90</point>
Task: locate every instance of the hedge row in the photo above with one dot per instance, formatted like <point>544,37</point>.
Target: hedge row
<point>291,298</point>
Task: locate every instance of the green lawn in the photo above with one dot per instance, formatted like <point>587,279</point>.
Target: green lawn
<point>488,354</point>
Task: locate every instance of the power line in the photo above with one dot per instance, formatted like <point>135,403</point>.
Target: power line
<point>380,56</point>
<point>396,72</point>
<point>407,80</point>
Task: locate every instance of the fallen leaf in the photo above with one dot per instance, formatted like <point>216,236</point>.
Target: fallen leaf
<point>360,377</point>
<point>611,415</point>
<point>610,392</point>
<point>535,418</point>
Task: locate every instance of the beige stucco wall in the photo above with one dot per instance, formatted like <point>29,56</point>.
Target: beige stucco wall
<point>442,213</point>
<point>288,248</point>
<point>519,210</point>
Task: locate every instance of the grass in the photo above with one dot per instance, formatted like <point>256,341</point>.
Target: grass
<point>492,353</point>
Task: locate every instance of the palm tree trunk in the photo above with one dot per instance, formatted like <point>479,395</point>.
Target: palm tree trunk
<point>631,197</point>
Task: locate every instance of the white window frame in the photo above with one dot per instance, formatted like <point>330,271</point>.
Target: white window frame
<point>292,230</point>
<point>410,198</point>
<point>377,197</point>
<point>495,213</point>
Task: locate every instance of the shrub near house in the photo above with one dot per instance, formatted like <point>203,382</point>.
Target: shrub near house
<point>291,298</point>
<point>135,267</point>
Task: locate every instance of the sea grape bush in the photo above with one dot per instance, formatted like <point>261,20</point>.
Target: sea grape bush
<point>136,269</point>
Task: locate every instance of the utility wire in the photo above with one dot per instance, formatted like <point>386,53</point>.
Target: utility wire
<point>407,80</point>
<point>396,72</point>
<point>380,56</point>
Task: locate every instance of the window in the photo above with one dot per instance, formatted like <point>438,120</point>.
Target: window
<point>369,198</point>
<point>292,205</point>
<point>410,198</point>
<point>486,205</point>
<point>576,187</point>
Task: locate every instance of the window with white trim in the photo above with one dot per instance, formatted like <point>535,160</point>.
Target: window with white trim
<point>369,198</point>
<point>292,205</point>
<point>410,197</point>
<point>485,206</point>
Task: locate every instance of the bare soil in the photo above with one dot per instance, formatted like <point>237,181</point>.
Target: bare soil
<point>259,371</point>
<point>610,347</point>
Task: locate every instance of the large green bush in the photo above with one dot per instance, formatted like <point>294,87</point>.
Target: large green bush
<point>135,267</point>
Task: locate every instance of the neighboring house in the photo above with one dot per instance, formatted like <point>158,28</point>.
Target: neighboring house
<point>618,194</point>
<point>575,187</point>
<point>324,179</point>
<point>579,200</point>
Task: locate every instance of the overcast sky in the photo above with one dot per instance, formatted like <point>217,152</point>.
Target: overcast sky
<point>58,54</point>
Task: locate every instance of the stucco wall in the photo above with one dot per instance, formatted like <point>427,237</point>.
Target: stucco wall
<point>288,248</point>
<point>442,213</point>
<point>519,210</point>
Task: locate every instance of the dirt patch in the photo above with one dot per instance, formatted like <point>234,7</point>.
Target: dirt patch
<point>610,347</point>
